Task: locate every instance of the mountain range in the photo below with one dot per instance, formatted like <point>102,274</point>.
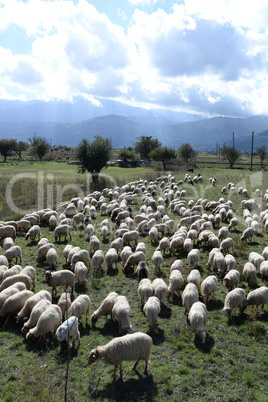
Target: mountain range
<point>67,123</point>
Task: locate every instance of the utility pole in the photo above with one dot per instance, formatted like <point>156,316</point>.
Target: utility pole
<point>233,141</point>
<point>252,140</point>
<point>216,148</point>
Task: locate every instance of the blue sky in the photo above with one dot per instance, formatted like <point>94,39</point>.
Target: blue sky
<point>200,56</point>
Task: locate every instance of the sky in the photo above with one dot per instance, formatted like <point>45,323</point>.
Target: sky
<point>208,57</point>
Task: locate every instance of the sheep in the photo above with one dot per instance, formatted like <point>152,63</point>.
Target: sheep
<point>64,302</point>
<point>42,251</point>
<point>130,347</point>
<point>14,303</point>
<point>230,262</point>
<point>67,329</point>
<point>41,242</point>
<point>141,247</point>
<point>80,271</point>
<point>7,243</point>
<point>51,258</point>
<point>257,297</point>
<point>189,296</point>
<point>97,260</point>
<point>94,243</point>
<point>176,282</point>
<point>31,272</point>
<point>208,287</point>
<point>265,253</point>
<point>117,244</point>
<point>151,310</point>
<point>33,232</point>
<point>250,273</point>
<point>142,270</point>
<point>226,244</point>
<point>176,243</point>
<point>197,317</point>
<point>71,252</point>
<point>153,234</point>
<point>120,312</point>
<point>132,261</point>
<point>80,306</point>
<point>52,222</point>
<point>193,258</point>
<point>13,252</point>
<point>125,253</point>
<point>235,298</point>
<point>160,289</point>
<point>23,224</point>
<point>223,232</point>
<point>157,260</point>
<point>231,279</point>
<point>177,264</point>
<point>16,278</point>
<point>62,230</point>
<point>89,230</point>
<point>131,236</point>
<point>104,233</point>
<point>31,302</point>
<point>219,263</point>
<point>145,290</point>
<point>15,270</point>
<point>247,234</point>
<point>194,277</point>
<point>264,269</point>
<point>63,277</point>
<point>111,258</point>
<point>77,219</point>
<point>48,321</point>
<point>11,290</point>
<point>80,255</point>
<point>105,308</point>
<point>36,312</point>
<point>256,259</point>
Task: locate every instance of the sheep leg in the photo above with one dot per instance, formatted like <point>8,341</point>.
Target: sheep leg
<point>146,367</point>
<point>135,365</point>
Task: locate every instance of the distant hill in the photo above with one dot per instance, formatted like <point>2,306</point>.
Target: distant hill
<point>64,123</point>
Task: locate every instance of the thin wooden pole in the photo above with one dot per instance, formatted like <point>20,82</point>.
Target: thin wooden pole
<point>252,141</point>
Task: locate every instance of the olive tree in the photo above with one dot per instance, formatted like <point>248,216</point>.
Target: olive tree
<point>6,146</point>
<point>163,154</point>
<point>262,153</point>
<point>145,145</point>
<point>186,152</point>
<point>92,157</point>
<point>127,157</point>
<point>20,147</point>
<point>230,154</point>
<point>40,146</point>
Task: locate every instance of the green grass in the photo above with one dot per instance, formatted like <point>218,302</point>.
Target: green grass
<point>231,366</point>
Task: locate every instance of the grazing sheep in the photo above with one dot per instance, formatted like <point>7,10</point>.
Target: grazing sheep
<point>230,262</point>
<point>8,231</point>
<point>151,310</point>
<point>231,279</point>
<point>41,242</point>
<point>36,312</point>
<point>197,317</point>
<point>120,312</point>
<point>105,308</point>
<point>11,290</point>
<point>97,260</point>
<point>235,298</point>
<point>33,232</point>
<point>177,264</point>
<point>16,278</point>
<point>219,263</point>
<point>52,258</point>
<point>142,270</point>
<point>256,259</point>
<point>48,321</point>
<point>94,243</point>
<point>52,222</point>
<point>176,282</point>
<point>208,287</point>
<point>247,234</point>
<point>67,329</point>
<point>176,242</point>
<point>104,233</point>
<point>233,223</point>
<point>7,243</point>
<point>13,304</point>
<point>250,273</point>
<point>111,258</point>
<point>193,258</point>
<point>64,302</point>
<point>42,251</point>
<point>130,347</point>
<point>194,277</point>
<point>125,253</point>
<point>264,269</point>
<point>223,232</point>
<point>145,290</point>
<point>15,270</point>
<point>257,297</point>
<point>153,234</point>
<point>226,244</point>
<point>80,255</point>
<point>63,277</point>
<point>31,302</point>
<point>157,260</point>
<point>265,253</point>
<point>132,261</point>
<point>189,296</point>
<point>131,236</point>
<point>160,290</point>
<point>117,244</point>
<point>62,230</point>
<point>80,271</point>
<point>80,306</point>
<point>13,252</point>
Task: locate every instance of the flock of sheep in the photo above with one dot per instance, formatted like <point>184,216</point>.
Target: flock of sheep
<point>199,225</point>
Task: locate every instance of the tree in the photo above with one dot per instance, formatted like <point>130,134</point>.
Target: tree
<point>145,145</point>
<point>126,156</point>
<point>163,155</point>
<point>6,146</point>
<point>262,153</point>
<point>231,154</point>
<point>186,152</point>
<point>40,146</point>
<point>93,157</point>
<point>20,147</point>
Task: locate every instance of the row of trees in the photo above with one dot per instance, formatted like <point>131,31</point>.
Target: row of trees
<point>39,147</point>
<point>232,154</point>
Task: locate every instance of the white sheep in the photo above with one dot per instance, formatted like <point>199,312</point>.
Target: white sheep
<point>193,257</point>
<point>94,243</point>
<point>13,252</point>
<point>16,278</point>
<point>11,290</point>
<point>130,347</point>
<point>208,287</point>
<point>223,232</point>
<point>97,260</point>
<point>151,310</point>
<point>62,230</point>
<point>31,302</point>
<point>230,262</point>
<point>160,289</point>
<point>176,242</point>
<point>111,258</point>
<point>36,312</point>
<point>64,302</point>
<point>189,296</point>
<point>68,329</point>
<point>197,317</point>
<point>153,234</point>
<point>63,277</point>
<point>42,251</point>
<point>125,253</point>
<point>256,259</point>
<point>13,304</point>
<point>176,282</point>
<point>33,232</point>
<point>131,236</point>
<point>8,231</point>
<point>105,308</point>
<point>15,270</point>
<point>235,298</point>
<point>52,222</point>
<point>117,244</point>
<point>265,253</point>
<point>7,243</point>
<point>157,260</point>
<point>250,273</point>
<point>247,234</point>
<point>80,255</point>
<point>52,258</point>
<point>226,244</point>
<point>194,277</point>
<point>177,264</point>
<point>264,269</point>
<point>80,271</point>
<point>231,279</point>
<point>48,321</point>
<point>233,223</point>
<point>145,290</point>
<point>80,306</point>
<point>257,297</point>
<point>133,261</point>
<point>120,312</point>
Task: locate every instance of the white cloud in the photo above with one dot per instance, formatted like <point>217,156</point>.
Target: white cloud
<point>143,2</point>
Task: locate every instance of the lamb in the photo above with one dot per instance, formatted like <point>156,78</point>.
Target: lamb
<point>142,270</point>
<point>177,264</point>
<point>226,244</point>
<point>13,252</point>
<point>189,296</point>
<point>235,298</point>
<point>194,277</point>
<point>111,258</point>
<point>120,312</point>
<point>51,258</point>
<point>130,347</point>
<point>105,308</point>
<point>62,230</point>
<point>80,271</point>
<point>31,302</point>
<point>63,277</point>
<point>151,310</point>
<point>250,273</point>
<point>247,234</point>
<point>197,317</point>
<point>256,297</point>
<point>193,258</point>
<point>80,306</point>
<point>176,282</point>
<point>157,260</point>
<point>36,312</point>
<point>33,232</point>
<point>160,290</point>
<point>11,290</point>
<point>48,321</point>
<point>16,278</point>
<point>145,290</point>
<point>132,261</point>
<point>231,279</point>
<point>7,243</point>
<point>208,287</point>
<point>131,236</point>
<point>64,302</point>
<point>13,304</point>
<point>67,329</point>
<point>97,260</point>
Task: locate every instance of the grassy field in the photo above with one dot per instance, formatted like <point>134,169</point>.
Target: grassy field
<point>231,366</point>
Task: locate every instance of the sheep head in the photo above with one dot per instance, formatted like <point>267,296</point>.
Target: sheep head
<point>93,356</point>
